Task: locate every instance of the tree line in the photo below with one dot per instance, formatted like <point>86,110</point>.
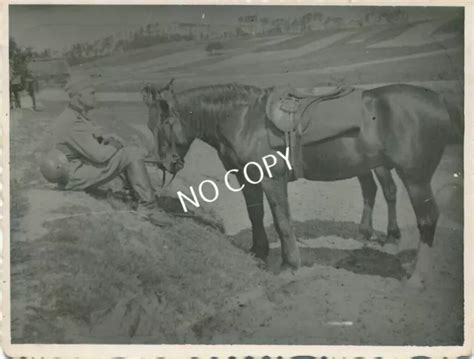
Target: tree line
<point>250,25</point>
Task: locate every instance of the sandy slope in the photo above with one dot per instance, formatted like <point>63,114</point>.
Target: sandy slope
<point>85,267</point>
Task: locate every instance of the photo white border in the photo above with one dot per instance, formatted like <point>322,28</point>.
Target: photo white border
<point>180,351</point>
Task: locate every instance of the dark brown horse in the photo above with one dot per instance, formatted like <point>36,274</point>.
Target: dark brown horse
<point>403,127</point>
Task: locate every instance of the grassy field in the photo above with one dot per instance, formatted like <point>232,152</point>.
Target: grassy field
<point>269,61</point>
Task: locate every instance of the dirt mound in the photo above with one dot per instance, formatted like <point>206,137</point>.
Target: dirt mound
<point>110,277</point>
<point>85,268</point>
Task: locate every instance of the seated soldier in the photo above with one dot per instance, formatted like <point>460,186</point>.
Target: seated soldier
<point>83,158</point>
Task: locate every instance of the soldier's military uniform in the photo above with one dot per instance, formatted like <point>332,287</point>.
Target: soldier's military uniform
<point>92,162</point>
<point>83,158</point>
<point>30,86</point>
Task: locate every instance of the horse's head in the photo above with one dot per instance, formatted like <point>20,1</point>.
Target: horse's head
<point>172,143</point>
<point>148,93</point>
<point>152,93</point>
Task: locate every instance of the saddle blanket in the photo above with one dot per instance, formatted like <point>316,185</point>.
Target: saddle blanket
<point>327,119</point>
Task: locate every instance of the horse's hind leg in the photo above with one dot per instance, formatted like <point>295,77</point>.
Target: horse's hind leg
<point>369,191</point>
<point>426,211</point>
<point>389,188</point>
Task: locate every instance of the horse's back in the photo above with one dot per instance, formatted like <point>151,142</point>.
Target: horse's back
<point>406,97</point>
<point>407,106</point>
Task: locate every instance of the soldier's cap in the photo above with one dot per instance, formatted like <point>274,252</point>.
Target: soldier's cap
<point>79,82</point>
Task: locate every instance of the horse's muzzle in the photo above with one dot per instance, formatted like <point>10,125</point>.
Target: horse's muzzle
<point>176,163</point>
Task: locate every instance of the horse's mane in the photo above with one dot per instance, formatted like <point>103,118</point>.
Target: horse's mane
<point>206,106</point>
<point>221,94</point>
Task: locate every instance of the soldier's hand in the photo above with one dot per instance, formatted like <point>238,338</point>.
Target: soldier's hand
<point>114,142</point>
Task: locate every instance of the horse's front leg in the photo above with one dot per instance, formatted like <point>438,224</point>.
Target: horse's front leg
<point>276,190</point>
<point>253,195</point>
<point>154,152</point>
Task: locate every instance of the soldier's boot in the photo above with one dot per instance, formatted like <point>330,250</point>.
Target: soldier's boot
<point>33,100</point>
<point>147,206</point>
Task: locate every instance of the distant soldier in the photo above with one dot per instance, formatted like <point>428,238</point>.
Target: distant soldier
<point>30,85</point>
<point>28,80</point>
<point>15,86</point>
<point>84,158</point>
<point>21,79</point>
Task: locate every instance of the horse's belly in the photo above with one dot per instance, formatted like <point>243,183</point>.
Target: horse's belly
<point>338,159</point>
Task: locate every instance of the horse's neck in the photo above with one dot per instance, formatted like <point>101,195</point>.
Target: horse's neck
<point>208,124</point>
<point>202,125</point>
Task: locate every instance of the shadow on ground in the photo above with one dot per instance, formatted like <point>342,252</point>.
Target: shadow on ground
<point>365,260</point>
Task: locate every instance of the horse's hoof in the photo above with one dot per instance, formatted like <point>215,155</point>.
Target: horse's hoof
<point>393,234</point>
<point>262,263</point>
<point>364,235</point>
<point>390,248</point>
<point>260,252</point>
<point>409,267</point>
<point>292,262</point>
<point>374,238</point>
<point>288,268</point>
<point>415,283</point>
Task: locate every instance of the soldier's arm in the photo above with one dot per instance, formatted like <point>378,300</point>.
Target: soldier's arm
<point>84,141</point>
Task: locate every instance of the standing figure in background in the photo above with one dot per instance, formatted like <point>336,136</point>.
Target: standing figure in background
<point>31,85</point>
<point>21,78</point>
<point>15,86</point>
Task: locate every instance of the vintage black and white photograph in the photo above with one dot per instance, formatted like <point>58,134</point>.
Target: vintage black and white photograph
<point>210,174</point>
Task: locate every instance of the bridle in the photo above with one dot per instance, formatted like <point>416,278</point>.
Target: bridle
<point>166,126</point>
<point>176,160</point>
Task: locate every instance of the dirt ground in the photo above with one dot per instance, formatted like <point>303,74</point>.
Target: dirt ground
<point>349,292</point>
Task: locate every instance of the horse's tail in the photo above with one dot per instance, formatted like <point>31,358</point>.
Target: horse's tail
<point>456,117</point>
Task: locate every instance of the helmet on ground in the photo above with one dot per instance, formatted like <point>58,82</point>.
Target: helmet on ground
<point>54,167</point>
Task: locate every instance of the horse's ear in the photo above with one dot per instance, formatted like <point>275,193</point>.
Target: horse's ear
<point>148,87</point>
<point>168,87</point>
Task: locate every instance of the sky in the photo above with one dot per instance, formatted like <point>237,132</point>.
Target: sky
<point>59,26</point>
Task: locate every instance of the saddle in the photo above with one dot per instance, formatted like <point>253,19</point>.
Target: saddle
<point>285,109</point>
